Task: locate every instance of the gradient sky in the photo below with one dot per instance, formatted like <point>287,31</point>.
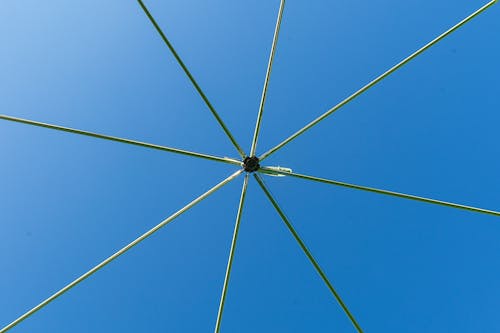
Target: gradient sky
<point>67,202</point>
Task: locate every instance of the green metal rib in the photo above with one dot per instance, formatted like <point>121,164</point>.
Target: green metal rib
<point>375,81</point>
<point>379,191</point>
<point>193,81</point>
<point>266,81</point>
<point>116,139</point>
<point>120,252</point>
<point>308,253</point>
<point>231,254</point>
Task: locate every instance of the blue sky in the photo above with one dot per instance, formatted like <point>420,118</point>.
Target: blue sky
<point>431,129</point>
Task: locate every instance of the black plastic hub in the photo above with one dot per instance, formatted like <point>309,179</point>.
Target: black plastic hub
<point>251,164</point>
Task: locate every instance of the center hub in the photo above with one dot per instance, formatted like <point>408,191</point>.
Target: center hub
<point>251,164</point>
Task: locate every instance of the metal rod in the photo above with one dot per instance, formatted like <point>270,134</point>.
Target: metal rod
<point>386,192</point>
<point>266,81</point>
<point>116,139</point>
<point>375,81</point>
<point>231,254</point>
<point>307,252</point>
<point>120,252</point>
<point>191,78</point>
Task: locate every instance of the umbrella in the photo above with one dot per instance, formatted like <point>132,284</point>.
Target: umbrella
<point>385,194</point>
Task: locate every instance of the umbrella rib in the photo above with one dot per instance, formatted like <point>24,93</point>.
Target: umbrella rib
<point>266,81</point>
<point>231,254</point>
<point>117,139</point>
<point>120,252</point>
<point>191,78</point>
<point>307,252</point>
<point>375,81</point>
<point>385,192</point>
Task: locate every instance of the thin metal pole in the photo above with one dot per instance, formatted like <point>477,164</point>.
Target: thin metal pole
<point>120,252</point>
<point>266,81</point>
<point>231,254</point>
<point>375,81</point>
<point>307,252</point>
<point>379,191</point>
<point>116,139</point>
<point>191,78</point>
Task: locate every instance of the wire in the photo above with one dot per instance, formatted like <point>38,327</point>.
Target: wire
<point>231,254</point>
<point>266,81</point>
<point>386,192</point>
<point>375,81</point>
<point>116,139</point>
<point>307,253</point>
<point>120,252</point>
<point>193,81</point>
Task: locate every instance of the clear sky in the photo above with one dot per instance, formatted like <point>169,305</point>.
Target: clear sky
<point>67,202</point>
